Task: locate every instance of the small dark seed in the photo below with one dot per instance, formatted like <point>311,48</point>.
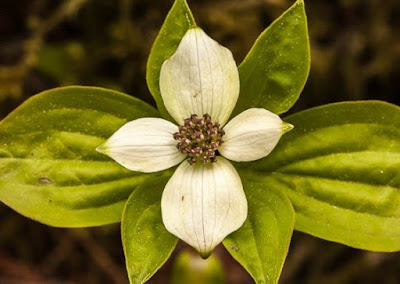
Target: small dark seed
<point>191,161</point>
<point>188,122</point>
<point>214,145</point>
<point>182,129</point>
<point>193,118</point>
<point>199,136</point>
<point>185,142</point>
<point>200,122</point>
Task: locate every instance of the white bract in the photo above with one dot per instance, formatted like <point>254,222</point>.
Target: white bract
<point>204,200</point>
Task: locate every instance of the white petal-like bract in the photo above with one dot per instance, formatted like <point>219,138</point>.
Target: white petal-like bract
<point>201,77</point>
<point>203,203</point>
<point>145,145</point>
<point>252,135</point>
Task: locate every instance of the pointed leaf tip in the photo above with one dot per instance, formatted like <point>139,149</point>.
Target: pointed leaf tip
<point>286,127</point>
<point>103,149</point>
<point>275,70</point>
<point>262,243</point>
<point>205,254</point>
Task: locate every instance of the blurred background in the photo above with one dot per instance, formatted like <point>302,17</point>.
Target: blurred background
<point>44,44</point>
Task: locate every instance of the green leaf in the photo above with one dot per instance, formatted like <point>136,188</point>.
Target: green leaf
<point>262,243</point>
<point>177,22</point>
<point>276,69</point>
<point>147,244</point>
<point>340,168</point>
<point>49,169</point>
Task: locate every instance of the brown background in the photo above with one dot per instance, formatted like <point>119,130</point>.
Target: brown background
<point>45,43</point>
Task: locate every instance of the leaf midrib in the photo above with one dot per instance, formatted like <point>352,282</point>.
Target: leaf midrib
<point>336,205</point>
<point>319,155</point>
<point>294,173</point>
<point>55,160</point>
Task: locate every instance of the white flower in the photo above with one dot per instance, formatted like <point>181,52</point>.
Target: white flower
<point>204,200</point>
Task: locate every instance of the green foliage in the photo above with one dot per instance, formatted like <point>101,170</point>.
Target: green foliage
<point>276,69</point>
<point>147,244</point>
<point>177,22</point>
<point>49,169</point>
<point>262,243</point>
<point>60,61</point>
<point>340,169</point>
<point>191,268</point>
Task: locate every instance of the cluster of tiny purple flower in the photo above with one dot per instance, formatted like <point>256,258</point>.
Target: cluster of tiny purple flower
<point>199,138</point>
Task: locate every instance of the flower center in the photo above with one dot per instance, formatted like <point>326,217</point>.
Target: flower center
<point>199,138</point>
